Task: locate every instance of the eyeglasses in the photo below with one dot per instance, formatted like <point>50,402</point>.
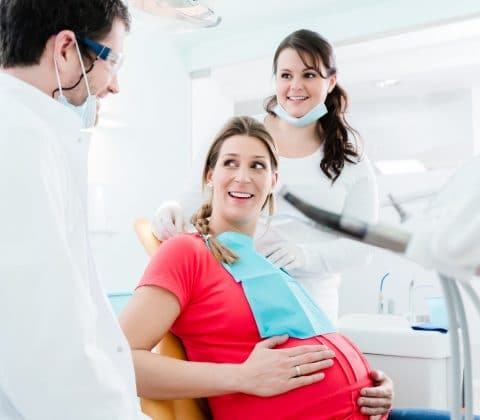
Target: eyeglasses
<point>105,53</point>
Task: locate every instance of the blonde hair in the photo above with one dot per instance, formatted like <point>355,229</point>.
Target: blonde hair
<point>243,126</point>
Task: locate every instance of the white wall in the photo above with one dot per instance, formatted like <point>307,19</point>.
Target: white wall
<point>210,110</point>
<point>411,126</point>
<point>440,129</point>
<point>144,160</point>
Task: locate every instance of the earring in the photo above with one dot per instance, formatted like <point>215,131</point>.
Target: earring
<point>209,184</point>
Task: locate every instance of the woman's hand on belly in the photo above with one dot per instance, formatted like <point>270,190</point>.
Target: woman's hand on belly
<point>269,371</point>
<point>377,401</point>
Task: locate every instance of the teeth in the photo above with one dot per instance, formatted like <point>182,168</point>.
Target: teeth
<point>297,98</point>
<point>240,195</point>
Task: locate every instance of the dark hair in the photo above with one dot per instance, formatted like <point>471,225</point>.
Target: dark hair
<point>334,127</point>
<point>243,126</point>
<point>26,25</point>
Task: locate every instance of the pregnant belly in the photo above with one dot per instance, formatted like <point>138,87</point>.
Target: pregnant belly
<point>335,397</point>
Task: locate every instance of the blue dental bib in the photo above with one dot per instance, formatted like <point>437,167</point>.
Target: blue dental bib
<point>280,305</point>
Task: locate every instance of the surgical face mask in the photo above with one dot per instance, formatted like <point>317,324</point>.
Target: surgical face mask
<point>311,116</point>
<point>88,110</point>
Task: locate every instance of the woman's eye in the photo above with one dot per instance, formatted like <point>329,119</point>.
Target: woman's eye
<point>286,76</point>
<point>310,75</point>
<point>258,165</point>
<point>230,163</point>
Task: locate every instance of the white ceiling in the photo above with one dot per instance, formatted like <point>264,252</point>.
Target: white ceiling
<point>428,45</point>
<point>251,29</point>
<point>433,60</point>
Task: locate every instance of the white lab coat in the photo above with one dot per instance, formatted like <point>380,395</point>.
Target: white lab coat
<point>62,353</point>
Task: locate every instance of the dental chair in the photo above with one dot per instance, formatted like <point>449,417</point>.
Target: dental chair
<point>170,345</point>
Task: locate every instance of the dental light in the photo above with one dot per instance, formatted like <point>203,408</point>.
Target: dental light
<point>196,12</point>
<point>397,240</point>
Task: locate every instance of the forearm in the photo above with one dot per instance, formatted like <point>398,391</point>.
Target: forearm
<point>446,239</point>
<point>162,377</point>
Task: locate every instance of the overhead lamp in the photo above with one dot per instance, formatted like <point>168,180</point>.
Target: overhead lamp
<point>196,12</point>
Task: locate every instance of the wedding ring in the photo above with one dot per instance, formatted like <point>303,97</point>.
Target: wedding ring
<point>297,369</point>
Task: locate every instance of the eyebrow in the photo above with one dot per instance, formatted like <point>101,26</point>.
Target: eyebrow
<point>305,69</point>
<point>237,155</point>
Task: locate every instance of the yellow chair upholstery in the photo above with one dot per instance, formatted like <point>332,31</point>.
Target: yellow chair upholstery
<point>189,409</point>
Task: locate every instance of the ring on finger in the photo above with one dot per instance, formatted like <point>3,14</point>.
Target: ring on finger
<point>298,370</point>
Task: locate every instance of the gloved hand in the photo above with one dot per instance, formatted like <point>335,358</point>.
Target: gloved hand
<point>168,220</point>
<point>285,255</point>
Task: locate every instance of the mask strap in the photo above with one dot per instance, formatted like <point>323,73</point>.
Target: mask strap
<point>83,68</point>
<point>58,78</point>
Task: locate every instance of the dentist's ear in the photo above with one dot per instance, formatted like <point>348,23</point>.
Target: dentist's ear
<point>65,56</point>
<point>64,47</point>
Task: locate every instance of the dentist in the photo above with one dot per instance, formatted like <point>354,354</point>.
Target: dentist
<point>62,353</point>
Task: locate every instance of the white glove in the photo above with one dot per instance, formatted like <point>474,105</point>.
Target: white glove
<point>168,220</point>
<point>285,255</point>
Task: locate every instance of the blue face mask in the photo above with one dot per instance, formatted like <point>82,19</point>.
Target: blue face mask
<point>280,305</point>
<point>310,117</point>
<point>88,110</point>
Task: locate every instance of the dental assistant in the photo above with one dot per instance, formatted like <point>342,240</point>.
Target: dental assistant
<point>62,353</point>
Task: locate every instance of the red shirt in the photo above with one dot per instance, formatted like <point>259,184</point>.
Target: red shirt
<point>217,325</point>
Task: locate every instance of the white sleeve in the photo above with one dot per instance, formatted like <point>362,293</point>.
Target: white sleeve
<point>448,242</point>
<point>446,237</point>
<point>50,364</point>
<point>340,253</point>
<point>456,240</point>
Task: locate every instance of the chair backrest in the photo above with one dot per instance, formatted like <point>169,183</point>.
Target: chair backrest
<point>188,409</point>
